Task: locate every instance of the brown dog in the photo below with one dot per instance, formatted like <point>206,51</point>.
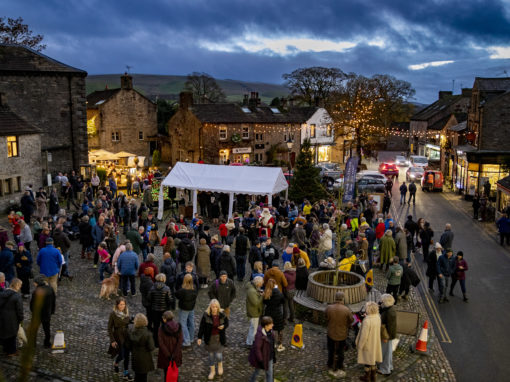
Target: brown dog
<point>109,286</point>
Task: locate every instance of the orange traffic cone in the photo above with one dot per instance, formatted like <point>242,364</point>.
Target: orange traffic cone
<point>421,344</point>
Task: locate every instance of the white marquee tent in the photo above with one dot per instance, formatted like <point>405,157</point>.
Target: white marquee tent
<point>250,180</point>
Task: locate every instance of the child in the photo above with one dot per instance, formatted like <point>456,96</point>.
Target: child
<point>105,259</point>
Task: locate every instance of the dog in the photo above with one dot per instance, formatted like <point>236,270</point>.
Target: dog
<point>110,286</point>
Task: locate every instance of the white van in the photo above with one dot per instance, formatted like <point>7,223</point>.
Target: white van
<point>418,161</point>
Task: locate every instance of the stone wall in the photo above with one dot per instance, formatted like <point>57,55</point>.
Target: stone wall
<point>56,104</point>
<point>27,167</point>
<point>184,130</point>
<point>495,124</point>
<point>128,113</point>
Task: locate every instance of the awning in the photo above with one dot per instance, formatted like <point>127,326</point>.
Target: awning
<point>251,180</point>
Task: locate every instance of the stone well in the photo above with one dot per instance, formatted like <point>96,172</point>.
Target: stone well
<point>321,288</point>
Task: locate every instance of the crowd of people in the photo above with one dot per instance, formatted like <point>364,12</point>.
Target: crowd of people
<point>118,234</point>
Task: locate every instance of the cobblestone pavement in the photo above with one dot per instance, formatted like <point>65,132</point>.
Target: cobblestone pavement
<point>83,318</point>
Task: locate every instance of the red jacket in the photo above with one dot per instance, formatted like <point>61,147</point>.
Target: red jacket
<point>379,230</point>
<point>223,230</point>
<point>147,264</point>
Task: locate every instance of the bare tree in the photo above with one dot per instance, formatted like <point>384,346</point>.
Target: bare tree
<point>13,31</point>
<point>205,89</point>
<point>315,84</point>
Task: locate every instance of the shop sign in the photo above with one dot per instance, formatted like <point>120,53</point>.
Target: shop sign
<point>241,150</point>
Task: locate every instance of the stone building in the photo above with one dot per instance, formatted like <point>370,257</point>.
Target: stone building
<point>50,96</point>
<point>318,127</point>
<point>122,119</point>
<point>20,156</point>
<point>230,133</point>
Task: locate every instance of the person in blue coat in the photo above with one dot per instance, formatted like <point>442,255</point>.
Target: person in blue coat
<point>7,261</point>
<point>503,224</point>
<point>49,260</point>
<point>128,264</point>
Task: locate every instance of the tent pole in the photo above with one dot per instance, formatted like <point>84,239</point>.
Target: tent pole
<point>195,192</point>
<point>286,194</point>
<point>160,203</point>
<point>269,199</point>
<point>230,204</point>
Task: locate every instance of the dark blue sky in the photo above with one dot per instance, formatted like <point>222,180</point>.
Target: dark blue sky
<point>429,43</point>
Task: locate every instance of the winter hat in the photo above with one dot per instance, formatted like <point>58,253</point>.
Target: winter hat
<point>40,280</point>
<point>438,245</point>
<point>10,244</point>
<point>223,273</point>
<point>226,248</point>
<point>295,250</point>
<point>20,244</point>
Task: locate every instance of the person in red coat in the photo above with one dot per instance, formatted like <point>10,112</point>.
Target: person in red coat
<point>149,263</point>
<point>262,353</point>
<point>380,228</point>
<point>266,223</point>
<point>170,342</point>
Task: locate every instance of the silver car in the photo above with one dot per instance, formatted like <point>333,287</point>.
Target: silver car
<point>414,173</point>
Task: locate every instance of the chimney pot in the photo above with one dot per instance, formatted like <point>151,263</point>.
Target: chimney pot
<point>466,92</point>
<point>126,82</point>
<point>444,94</point>
<point>185,100</point>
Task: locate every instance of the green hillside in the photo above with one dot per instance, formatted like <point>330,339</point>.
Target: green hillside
<point>169,87</point>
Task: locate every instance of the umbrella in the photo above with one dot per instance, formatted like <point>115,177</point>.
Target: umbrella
<point>124,154</point>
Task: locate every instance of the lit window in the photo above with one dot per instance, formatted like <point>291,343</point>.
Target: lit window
<point>246,110</point>
<point>328,130</point>
<point>312,131</point>
<point>223,133</point>
<point>12,147</point>
<point>140,135</point>
<point>275,110</point>
<point>246,133</point>
<point>115,136</point>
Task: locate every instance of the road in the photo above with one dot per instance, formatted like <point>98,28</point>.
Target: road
<point>474,335</point>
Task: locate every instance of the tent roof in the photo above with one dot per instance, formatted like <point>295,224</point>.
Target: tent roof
<point>250,180</point>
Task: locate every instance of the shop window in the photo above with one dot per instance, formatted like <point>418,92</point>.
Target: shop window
<point>246,133</point>
<point>12,147</point>
<point>223,133</point>
<point>115,136</point>
<point>140,135</point>
<point>312,130</point>
<point>329,130</point>
<point>324,153</point>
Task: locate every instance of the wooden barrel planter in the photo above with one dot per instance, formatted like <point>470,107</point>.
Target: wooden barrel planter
<point>321,288</point>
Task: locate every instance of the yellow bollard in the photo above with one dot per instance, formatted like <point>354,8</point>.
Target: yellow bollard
<point>297,337</point>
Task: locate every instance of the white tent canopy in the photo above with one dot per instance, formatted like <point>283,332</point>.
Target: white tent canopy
<point>232,180</point>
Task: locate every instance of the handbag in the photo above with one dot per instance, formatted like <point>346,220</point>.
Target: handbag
<point>21,335</point>
<point>385,336</point>
<point>172,373</point>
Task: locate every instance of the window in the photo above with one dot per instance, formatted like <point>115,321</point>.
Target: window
<point>246,110</point>
<point>140,135</point>
<point>312,131</point>
<point>223,133</point>
<point>16,184</point>
<point>259,137</point>
<point>115,136</point>
<point>12,147</point>
<point>7,186</point>
<point>275,110</point>
<point>246,133</point>
<point>328,131</point>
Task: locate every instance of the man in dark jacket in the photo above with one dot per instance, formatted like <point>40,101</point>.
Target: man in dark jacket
<point>445,269</point>
<point>412,193</point>
<point>269,253</point>
<point>255,253</point>
<point>42,306</point>
<point>446,239</point>
<point>169,268</point>
<point>61,240</point>
<point>503,224</point>
<point>389,186</point>
<point>146,285</point>
<point>160,300</point>
<point>339,321</point>
<point>412,227</point>
<point>241,248</point>
<point>27,206</point>
<point>11,316</point>
<point>186,251</point>
<point>227,263</point>
<point>188,268</point>
<point>370,235</point>
<point>403,192</point>
<point>223,290</point>
<point>7,261</point>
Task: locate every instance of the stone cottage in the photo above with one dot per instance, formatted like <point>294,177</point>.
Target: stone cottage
<point>122,119</point>
<point>50,96</point>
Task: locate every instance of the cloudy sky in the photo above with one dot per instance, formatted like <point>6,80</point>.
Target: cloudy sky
<point>434,44</point>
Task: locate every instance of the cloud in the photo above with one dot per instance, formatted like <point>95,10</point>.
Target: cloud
<point>429,64</point>
<point>499,52</point>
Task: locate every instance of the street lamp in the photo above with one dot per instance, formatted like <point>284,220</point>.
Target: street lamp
<point>290,143</point>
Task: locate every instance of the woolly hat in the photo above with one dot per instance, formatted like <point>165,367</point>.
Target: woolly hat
<point>40,280</point>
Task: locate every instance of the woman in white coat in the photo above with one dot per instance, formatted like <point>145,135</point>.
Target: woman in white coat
<point>368,342</point>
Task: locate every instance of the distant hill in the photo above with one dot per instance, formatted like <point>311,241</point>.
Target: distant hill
<point>169,87</point>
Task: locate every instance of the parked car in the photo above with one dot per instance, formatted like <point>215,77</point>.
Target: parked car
<point>418,161</point>
<point>371,174</point>
<point>414,173</point>
<point>371,185</point>
<point>330,170</point>
<point>401,160</point>
<point>388,169</point>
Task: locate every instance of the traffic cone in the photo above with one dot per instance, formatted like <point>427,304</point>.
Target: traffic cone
<point>297,337</point>
<point>421,344</point>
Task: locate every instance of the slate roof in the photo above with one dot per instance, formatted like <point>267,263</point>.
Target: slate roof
<point>233,113</point>
<point>459,127</point>
<point>100,95</point>
<point>437,107</point>
<point>305,112</point>
<point>16,59</point>
<point>438,125</point>
<point>12,124</point>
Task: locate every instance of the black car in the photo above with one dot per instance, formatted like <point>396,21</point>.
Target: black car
<point>370,185</point>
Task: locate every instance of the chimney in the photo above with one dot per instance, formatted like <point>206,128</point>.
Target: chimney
<point>3,99</point>
<point>466,92</point>
<point>254,99</point>
<point>245,100</point>
<point>126,82</point>
<point>185,100</point>
<point>444,94</point>
<point>283,103</point>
